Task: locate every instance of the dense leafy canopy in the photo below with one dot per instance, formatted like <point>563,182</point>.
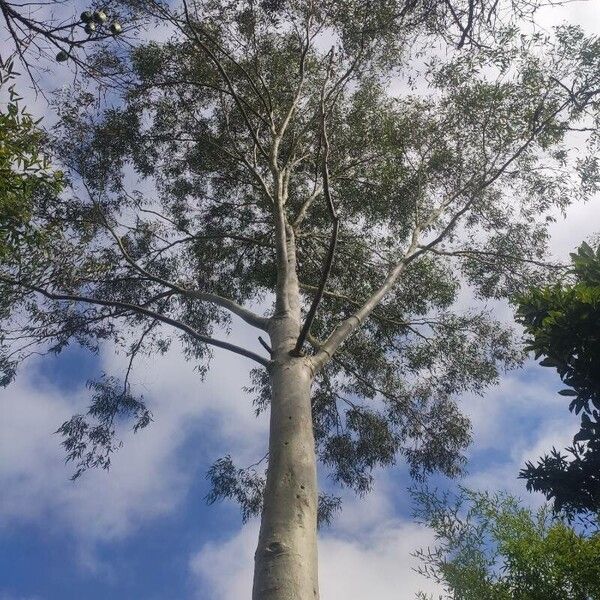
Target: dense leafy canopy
<point>210,180</point>
<point>563,325</point>
<point>489,546</point>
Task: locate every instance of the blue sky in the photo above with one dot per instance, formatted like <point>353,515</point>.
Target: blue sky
<point>143,530</point>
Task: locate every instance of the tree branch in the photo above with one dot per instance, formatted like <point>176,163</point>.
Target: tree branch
<point>465,252</point>
<point>227,79</point>
<point>246,315</point>
<point>346,327</point>
<point>415,249</point>
<point>143,311</point>
<point>332,242</point>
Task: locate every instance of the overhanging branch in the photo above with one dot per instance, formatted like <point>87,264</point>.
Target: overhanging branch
<point>142,311</point>
<point>416,249</point>
<point>246,315</point>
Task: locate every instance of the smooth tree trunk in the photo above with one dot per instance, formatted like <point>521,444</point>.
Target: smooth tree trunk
<point>286,557</point>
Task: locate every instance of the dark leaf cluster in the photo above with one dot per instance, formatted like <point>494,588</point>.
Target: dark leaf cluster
<point>91,439</point>
<point>563,325</point>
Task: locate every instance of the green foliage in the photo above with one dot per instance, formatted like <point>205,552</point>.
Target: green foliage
<point>213,153</point>
<point>245,486</point>
<point>91,444</point>
<point>25,174</point>
<point>491,546</point>
<point>563,325</point>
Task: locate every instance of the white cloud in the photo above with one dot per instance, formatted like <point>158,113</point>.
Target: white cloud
<point>224,570</point>
<point>359,516</point>
<point>376,564</point>
<point>99,506</point>
<point>582,12</point>
<point>519,447</point>
<point>521,397</point>
<point>147,477</point>
<point>580,223</point>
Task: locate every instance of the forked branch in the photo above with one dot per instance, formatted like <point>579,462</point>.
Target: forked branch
<point>416,249</point>
<point>245,314</point>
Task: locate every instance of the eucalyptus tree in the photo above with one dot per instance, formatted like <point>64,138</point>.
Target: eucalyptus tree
<point>319,173</point>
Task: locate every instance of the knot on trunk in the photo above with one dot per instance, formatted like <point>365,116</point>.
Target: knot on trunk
<point>275,549</point>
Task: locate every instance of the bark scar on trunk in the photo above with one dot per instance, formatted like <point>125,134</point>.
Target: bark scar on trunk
<point>275,548</point>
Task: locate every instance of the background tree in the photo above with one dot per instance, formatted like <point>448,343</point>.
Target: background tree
<point>26,179</point>
<point>563,325</point>
<point>490,546</point>
<point>286,185</point>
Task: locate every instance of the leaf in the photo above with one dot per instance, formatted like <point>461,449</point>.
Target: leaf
<point>581,436</point>
<point>549,362</point>
<point>586,250</point>
<point>567,392</point>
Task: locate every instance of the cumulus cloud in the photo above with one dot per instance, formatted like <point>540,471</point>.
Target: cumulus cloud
<point>513,406</point>
<point>376,564</point>
<point>579,13</point>
<point>148,477</point>
<point>503,474</point>
<point>36,484</point>
<point>223,571</point>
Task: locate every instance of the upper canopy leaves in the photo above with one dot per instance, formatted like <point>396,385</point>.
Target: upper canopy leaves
<point>209,183</point>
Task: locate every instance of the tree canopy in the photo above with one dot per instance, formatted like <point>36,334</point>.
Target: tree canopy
<point>491,546</point>
<point>294,156</point>
<point>563,325</point>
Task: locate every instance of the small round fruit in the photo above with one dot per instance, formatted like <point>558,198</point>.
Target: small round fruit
<point>90,28</point>
<point>116,28</point>
<point>100,17</point>
<point>62,56</point>
<point>87,16</point>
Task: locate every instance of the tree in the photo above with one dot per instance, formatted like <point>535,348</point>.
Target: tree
<point>294,191</point>
<point>490,546</point>
<point>26,178</point>
<point>563,325</point>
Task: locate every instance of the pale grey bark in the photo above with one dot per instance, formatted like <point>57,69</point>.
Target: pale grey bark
<point>286,565</point>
